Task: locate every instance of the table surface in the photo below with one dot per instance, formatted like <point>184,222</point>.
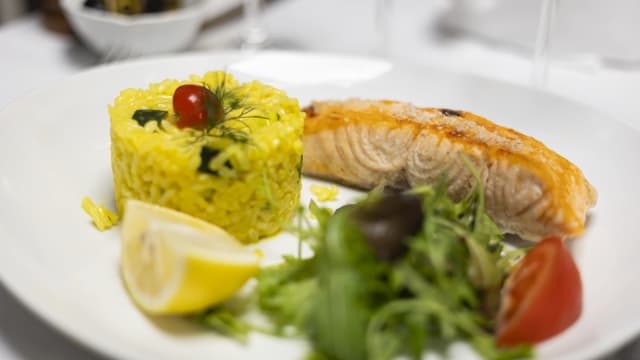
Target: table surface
<point>33,56</point>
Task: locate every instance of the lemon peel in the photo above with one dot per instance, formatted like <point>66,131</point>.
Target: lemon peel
<point>173,263</point>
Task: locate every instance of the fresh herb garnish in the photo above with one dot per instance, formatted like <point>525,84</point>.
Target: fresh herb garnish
<point>229,101</point>
<point>266,189</point>
<point>206,155</point>
<point>204,108</point>
<point>143,116</point>
<point>236,135</point>
<point>299,166</point>
<point>214,115</point>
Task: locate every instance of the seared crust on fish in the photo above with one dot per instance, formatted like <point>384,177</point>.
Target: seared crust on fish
<point>529,189</point>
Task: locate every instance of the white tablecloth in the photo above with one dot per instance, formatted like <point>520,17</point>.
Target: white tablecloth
<point>32,57</point>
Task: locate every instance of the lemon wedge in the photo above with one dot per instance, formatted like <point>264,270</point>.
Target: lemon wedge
<point>173,263</point>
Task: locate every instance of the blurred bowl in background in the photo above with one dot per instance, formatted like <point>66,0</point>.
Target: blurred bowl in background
<point>123,36</point>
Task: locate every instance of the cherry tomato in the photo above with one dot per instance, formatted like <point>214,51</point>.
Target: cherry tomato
<point>542,296</point>
<point>196,106</point>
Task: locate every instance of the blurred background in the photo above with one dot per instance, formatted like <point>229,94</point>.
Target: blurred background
<point>11,9</point>
<point>586,44</point>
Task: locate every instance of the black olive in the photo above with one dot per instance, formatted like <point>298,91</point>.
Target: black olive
<point>388,222</point>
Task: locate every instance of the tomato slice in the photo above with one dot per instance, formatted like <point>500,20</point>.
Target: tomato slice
<point>542,296</point>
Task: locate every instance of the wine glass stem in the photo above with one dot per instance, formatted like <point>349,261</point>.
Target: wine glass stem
<point>543,38</point>
<point>382,26</point>
<point>255,36</point>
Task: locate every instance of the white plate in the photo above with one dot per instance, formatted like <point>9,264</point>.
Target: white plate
<point>54,149</point>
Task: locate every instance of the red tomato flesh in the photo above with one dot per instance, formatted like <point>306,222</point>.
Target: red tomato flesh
<point>196,106</point>
<point>542,296</point>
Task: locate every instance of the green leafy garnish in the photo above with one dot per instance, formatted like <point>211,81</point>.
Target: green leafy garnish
<point>143,116</point>
<point>233,134</point>
<point>206,155</point>
<point>285,291</point>
<point>224,109</point>
<point>433,284</point>
<point>225,322</point>
<point>266,189</point>
<point>299,166</point>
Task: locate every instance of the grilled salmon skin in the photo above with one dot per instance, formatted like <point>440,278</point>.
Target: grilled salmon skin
<point>529,189</point>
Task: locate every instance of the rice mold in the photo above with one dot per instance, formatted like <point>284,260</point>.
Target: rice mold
<point>242,173</point>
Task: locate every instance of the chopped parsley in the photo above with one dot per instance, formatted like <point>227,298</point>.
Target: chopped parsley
<point>143,116</point>
<point>206,155</point>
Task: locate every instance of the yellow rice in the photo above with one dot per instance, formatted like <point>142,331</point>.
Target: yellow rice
<point>255,185</point>
<point>324,193</point>
<point>102,218</point>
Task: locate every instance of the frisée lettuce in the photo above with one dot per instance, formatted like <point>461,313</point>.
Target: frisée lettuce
<point>394,274</point>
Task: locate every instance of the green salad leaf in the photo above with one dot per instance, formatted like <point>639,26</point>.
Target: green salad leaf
<point>143,116</point>
<point>431,285</point>
<point>225,322</point>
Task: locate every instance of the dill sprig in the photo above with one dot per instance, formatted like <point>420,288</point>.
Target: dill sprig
<point>227,118</point>
<point>229,101</point>
<point>233,134</point>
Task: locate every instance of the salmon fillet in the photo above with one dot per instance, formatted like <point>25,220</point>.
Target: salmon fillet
<point>529,189</point>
